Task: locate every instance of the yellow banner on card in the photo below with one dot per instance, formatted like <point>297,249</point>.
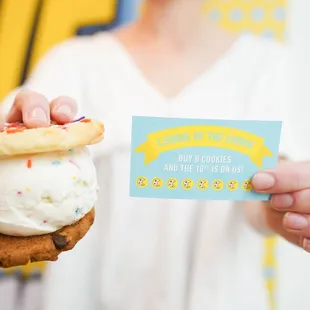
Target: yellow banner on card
<point>204,136</point>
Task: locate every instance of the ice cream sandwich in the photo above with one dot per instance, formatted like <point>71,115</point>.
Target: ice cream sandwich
<point>48,189</point>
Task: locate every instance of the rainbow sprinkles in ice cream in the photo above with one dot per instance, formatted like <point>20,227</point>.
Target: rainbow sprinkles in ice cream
<point>48,183</point>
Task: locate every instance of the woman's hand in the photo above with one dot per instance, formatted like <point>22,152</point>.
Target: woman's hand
<point>288,212</point>
<point>34,110</point>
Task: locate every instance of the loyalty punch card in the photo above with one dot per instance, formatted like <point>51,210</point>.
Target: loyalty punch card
<point>200,159</point>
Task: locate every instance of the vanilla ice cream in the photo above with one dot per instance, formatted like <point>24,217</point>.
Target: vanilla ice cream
<point>40,194</point>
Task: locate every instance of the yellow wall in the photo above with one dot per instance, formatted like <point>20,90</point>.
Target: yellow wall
<point>262,17</point>
<point>59,19</point>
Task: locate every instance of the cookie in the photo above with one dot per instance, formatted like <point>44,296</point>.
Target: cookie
<point>18,251</point>
<point>16,139</point>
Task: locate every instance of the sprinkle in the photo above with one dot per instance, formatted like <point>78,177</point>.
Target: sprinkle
<point>14,130</point>
<point>47,199</point>
<point>78,211</point>
<point>45,221</point>
<point>74,178</point>
<point>74,163</point>
<point>84,183</point>
<point>13,124</point>
<point>29,163</point>
<point>78,120</point>
<point>13,127</point>
<point>56,162</point>
<point>28,189</point>
<point>19,193</point>
<point>86,120</point>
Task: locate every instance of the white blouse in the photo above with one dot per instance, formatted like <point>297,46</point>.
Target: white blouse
<point>145,254</point>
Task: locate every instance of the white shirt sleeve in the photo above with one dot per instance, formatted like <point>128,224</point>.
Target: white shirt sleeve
<point>57,74</point>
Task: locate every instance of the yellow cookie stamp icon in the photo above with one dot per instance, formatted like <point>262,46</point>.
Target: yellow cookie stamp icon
<point>247,185</point>
<point>187,184</point>
<point>217,185</point>
<point>172,183</point>
<point>141,182</point>
<point>232,185</point>
<point>202,184</point>
<point>157,182</point>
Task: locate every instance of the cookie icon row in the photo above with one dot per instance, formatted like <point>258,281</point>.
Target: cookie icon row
<point>188,184</point>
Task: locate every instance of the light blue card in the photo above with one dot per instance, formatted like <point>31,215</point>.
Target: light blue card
<point>200,159</point>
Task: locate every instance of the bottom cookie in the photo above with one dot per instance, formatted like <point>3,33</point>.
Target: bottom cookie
<point>18,251</point>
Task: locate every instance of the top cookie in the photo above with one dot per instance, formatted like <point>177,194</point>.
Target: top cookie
<point>16,139</point>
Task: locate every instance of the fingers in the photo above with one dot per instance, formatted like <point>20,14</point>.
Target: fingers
<point>298,224</point>
<point>295,210</point>
<point>63,110</point>
<point>288,177</point>
<point>31,108</point>
<point>276,221</point>
<point>305,243</point>
<point>292,202</point>
<point>34,110</point>
<point>289,185</point>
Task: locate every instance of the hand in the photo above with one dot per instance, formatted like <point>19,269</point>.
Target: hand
<point>288,212</point>
<point>34,110</point>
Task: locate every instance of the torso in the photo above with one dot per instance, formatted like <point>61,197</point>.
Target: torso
<point>175,254</point>
<point>169,254</point>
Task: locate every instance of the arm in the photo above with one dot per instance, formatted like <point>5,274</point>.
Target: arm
<point>68,283</point>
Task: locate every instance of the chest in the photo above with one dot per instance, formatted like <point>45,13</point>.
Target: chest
<point>116,105</point>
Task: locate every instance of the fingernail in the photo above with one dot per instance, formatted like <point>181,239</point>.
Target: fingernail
<point>64,109</point>
<point>263,181</point>
<point>38,113</point>
<point>296,222</point>
<point>284,201</point>
<point>306,244</point>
